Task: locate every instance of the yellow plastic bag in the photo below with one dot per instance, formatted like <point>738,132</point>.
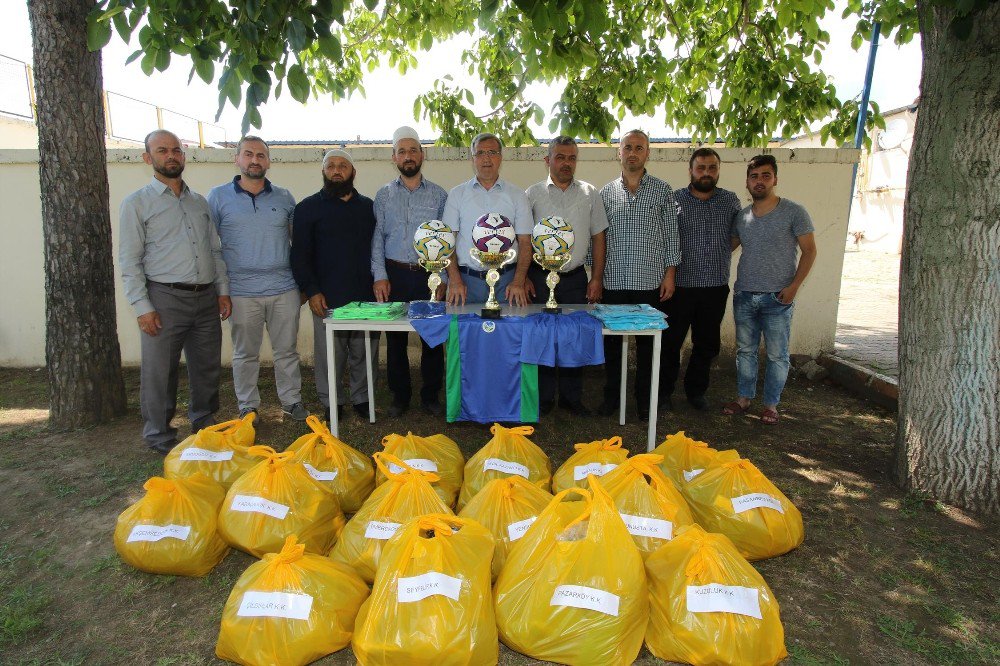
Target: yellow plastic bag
<point>437,454</point>
<point>346,471</point>
<point>653,509</point>
<point>431,604</point>
<point>290,608</point>
<point>276,499</point>
<point>708,606</point>
<point>509,453</point>
<point>684,458</point>
<point>575,592</point>
<point>597,458</point>
<point>734,498</point>
<point>401,498</point>
<point>507,508</point>
<point>173,528</point>
<point>220,452</point>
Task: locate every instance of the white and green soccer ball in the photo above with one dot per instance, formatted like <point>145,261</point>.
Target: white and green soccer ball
<point>552,236</point>
<point>434,241</point>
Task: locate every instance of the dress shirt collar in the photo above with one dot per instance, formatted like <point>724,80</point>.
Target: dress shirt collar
<point>239,188</point>
<point>642,181</point>
<point>160,187</point>
<point>573,184</point>
<point>499,185</point>
<point>399,183</point>
<point>689,193</point>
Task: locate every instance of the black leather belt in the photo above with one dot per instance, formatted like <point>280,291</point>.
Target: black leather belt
<point>403,265</point>
<point>185,286</point>
<point>482,274</point>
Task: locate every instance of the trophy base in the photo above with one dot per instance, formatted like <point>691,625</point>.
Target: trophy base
<point>555,310</point>
<point>487,313</point>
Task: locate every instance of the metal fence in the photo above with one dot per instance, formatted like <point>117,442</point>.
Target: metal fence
<point>126,118</point>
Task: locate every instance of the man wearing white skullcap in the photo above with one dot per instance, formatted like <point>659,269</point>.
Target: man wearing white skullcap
<point>401,206</point>
<point>331,261</point>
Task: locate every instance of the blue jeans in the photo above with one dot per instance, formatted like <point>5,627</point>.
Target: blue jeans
<point>756,313</point>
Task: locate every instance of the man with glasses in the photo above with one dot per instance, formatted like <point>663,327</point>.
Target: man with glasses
<point>488,193</point>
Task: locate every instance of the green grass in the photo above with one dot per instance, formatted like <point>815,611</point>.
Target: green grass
<point>801,655</point>
<point>937,650</point>
<point>21,614</point>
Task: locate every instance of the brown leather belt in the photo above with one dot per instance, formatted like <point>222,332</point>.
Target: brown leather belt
<point>185,286</point>
<point>403,265</point>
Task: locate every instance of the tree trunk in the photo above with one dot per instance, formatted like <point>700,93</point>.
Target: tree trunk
<point>81,337</point>
<point>949,307</point>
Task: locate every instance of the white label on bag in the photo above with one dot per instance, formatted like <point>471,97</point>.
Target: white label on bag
<point>320,475</point>
<point>580,472</point>
<point>516,530</point>
<point>381,531</point>
<point>426,585</point>
<point>590,598</point>
<point>204,455</point>
<point>422,464</point>
<point>505,466</point>
<point>756,500</point>
<point>648,527</point>
<point>691,473</point>
<point>251,504</point>
<point>275,604</point>
<point>157,532</point>
<point>714,598</point>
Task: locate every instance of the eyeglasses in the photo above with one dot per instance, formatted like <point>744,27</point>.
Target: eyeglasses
<point>483,153</point>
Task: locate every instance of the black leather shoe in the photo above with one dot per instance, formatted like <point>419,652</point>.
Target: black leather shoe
<point>397,409</point>
<point>698,402</point>
<point>361,409</point>
<point>576,408</point>
<point>163,448</point>
<point>433,408</point>
<point>546,406</point>
<point>607,409</point>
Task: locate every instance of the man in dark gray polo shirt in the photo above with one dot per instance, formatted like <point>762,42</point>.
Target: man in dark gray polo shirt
<point>772,231</point>
<point>254,220</point>
<point>175,279</point>
<point>705,215</point>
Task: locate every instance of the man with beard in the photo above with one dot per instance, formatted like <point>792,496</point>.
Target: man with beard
<point>175,279</point>
<point>704,221</point>
<point>643,253</point>
<point>331,261</point>
<point>400,207</point>
<point>254,220</point>
<point>772,230</point>
<point>578,203</point>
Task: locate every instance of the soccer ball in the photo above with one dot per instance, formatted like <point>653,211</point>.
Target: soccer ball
<point>552,236</point>
<point>434,241</point>
<point>493,233</point>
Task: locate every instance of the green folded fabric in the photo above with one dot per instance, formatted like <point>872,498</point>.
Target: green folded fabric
<point>373,311</point>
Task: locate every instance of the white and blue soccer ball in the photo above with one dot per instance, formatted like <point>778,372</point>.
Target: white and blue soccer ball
<point>493,233</point>
<point>434,241</point>
<point>552,236</point>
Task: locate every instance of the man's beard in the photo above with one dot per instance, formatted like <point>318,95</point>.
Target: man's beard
<point>253,173</point>
<point>409,171</point>
<point>758,196</point>
<point>172,171</point>
<point>703,185</point>
<point>338,188</point>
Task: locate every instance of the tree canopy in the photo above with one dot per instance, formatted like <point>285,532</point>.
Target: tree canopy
<point>740,71</point>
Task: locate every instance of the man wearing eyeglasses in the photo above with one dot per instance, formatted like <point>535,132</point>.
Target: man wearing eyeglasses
<point>488,193</point>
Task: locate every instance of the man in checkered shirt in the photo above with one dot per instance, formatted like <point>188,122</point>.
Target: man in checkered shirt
<point>643,251</point>
<point>705,221</point>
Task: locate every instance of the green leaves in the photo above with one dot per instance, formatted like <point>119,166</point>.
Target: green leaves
<point>98,31</point>
<point>298,83</point>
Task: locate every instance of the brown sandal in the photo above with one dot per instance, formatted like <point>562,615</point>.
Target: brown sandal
<point>769,416</point>
<point>733,408</point>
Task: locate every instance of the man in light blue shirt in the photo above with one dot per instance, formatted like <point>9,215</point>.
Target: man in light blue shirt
<point>488,193</point>
<point>254,218</point>
<point>401,206</point>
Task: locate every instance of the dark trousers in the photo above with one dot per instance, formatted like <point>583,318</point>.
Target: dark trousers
<point>190,324</point>
<point>700,310</point>
<point>643,348</point>
<point>571,289</point>
<point>407,285</point>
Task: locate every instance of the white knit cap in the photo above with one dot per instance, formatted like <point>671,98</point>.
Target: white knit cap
<point>336,152</point>
<point>404,132</point>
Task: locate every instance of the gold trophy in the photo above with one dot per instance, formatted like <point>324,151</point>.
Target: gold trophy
<point>493,238</point>
<point>553,239</point>
<point>434,243</point>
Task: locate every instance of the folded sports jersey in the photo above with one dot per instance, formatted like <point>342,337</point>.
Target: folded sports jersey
<point>570,340</point>
<point>367,310</point>
<point>629,317</point>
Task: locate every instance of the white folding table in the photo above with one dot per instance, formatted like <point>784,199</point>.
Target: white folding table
<point>403,325</point>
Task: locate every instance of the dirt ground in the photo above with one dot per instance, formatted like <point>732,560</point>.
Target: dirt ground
<point>882,578</point>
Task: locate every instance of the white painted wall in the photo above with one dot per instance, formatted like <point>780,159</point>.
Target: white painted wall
<point>817,178</point>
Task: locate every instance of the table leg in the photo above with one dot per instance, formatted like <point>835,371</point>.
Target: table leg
<point>331,376</point>
<point>371,376</point>
<point>654,392</point>
<point>624,377</point>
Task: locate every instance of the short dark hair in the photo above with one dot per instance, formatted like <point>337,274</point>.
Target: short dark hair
<point>485,136</point>
<point>158,132</point>
<point>762,160</point>
<point>251,137</point>
<point>561,140</point>
<point>703,152</point>
<point>634,131</point>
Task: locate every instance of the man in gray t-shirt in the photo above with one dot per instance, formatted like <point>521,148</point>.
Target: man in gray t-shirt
<point>772,231</point>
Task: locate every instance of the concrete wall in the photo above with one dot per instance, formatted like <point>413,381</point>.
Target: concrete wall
<point>817,178</point>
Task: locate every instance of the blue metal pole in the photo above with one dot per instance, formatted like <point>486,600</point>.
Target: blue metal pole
<point>859,133</point>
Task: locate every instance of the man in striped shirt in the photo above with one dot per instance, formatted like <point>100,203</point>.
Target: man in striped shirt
<point>643,251</point>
